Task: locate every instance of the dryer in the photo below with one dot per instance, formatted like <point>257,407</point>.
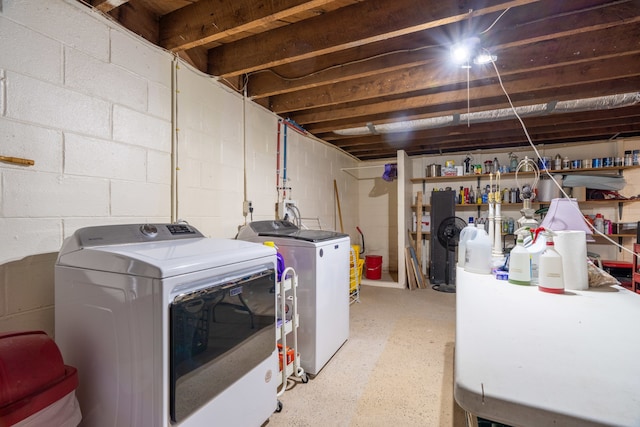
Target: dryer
<point>321,260</point>
<point>167,327</point>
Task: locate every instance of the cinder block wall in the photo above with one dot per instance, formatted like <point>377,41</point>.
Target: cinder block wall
<point>91,104</point>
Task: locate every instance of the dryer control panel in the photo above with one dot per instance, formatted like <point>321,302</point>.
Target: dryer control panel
<point>133,233</point>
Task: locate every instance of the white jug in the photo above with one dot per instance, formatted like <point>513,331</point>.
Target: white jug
<point>478,253</point>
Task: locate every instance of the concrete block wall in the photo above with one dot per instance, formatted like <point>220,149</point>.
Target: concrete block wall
<point>91,104</point>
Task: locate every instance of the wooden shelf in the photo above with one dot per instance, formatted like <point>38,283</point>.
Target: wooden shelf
<point>615,170</point>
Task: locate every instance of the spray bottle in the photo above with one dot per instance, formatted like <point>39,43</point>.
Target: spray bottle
<point>467,233</point>
<point>520,260</point>
<point>551,274</point>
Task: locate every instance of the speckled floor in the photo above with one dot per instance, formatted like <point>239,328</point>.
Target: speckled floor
<point>396,369</point>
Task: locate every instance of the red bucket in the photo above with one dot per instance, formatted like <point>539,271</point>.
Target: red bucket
<point>373,266</point>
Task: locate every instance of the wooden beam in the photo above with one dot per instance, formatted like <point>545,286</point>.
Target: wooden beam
<point>107,6</point>
<point>410,51</point>
<point>568,52</point>
<point>595,77</point>
<point>392,18</point>
<point>207,21</point>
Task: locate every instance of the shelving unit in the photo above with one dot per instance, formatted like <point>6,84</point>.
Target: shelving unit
<point>287,324</point>
<point>449,181</point>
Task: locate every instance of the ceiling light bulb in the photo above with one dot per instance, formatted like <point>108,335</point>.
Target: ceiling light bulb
<point>463,52</point>
<point>460,53</point>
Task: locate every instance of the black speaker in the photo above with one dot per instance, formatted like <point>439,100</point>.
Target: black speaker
<point>442,206</point>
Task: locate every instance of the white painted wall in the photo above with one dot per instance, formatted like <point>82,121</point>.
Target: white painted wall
<point>91,104</point>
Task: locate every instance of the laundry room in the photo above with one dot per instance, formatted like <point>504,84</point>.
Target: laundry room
<point>144,193</point>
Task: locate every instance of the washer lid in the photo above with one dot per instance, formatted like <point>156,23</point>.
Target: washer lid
<point>307,235</point>
<point>286,229</point>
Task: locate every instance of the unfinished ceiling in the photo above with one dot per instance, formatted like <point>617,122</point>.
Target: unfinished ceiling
<point>375,76</point>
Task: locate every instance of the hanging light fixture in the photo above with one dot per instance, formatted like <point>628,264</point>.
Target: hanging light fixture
<point>470,51</point>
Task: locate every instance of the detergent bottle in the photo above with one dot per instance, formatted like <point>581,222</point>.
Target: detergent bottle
<point>551,277</point>
<point>467,233</point>
<point>520,260</point>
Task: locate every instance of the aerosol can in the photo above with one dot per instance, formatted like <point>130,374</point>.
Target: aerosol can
<point>520,260</point>
<point>551,275</point>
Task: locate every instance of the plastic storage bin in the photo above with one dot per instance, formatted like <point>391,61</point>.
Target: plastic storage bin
<point>36,388</point>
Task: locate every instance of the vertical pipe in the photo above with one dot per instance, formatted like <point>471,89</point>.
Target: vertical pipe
<point>278,159</point>
<point>284,165</point>
<point>174,139</point>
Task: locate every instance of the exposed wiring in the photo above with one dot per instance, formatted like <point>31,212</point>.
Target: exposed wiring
<point>380,55</point>
<point>355,61</point>
<point>495,22</point>
<point>546,170</point>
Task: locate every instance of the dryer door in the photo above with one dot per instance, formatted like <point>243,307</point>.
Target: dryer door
<point>217,335</point>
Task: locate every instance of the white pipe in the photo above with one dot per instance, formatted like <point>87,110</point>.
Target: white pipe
<point>589,104</point>
<point>175,66</point>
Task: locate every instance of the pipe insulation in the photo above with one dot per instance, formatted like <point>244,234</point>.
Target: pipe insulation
<point>553,107</point>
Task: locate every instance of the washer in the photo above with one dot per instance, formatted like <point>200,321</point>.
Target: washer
<point>167,327</point>
<point>321,260</point>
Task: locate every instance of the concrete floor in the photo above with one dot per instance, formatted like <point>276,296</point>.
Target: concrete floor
<point>396,369</point>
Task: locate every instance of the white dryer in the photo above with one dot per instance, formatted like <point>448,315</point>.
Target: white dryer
<point>321,260</point>
<point>167,327</point>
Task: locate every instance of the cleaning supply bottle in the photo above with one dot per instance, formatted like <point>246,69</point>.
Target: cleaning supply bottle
<point>598,223</point>
<point>478,253</point>
<point>536,247</point>
<point>551,273</point>
<point>520,260</point>
<point>467,233</point>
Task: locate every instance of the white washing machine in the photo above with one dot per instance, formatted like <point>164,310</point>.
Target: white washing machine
<point>321,259</point>
<point>167,327</point>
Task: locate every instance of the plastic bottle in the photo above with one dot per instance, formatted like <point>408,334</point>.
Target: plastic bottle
<point>598,223</point>
<point>478,253</point>
<point>468,232</point>
<point>279,259</point>
<point>520,261</point>
<point>536,248</point>
<point>551,274</point>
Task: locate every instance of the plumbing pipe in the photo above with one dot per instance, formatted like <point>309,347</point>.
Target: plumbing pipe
<point>175,66</point>
<point>278,159</point>
<point>284,165</point>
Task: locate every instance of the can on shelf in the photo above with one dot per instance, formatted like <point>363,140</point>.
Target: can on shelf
<point>586,163</point>
<point>596,163</point>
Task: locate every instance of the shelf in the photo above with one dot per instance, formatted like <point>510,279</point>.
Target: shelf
<point>537,203</point>
<point>484,205</point>
<point>600,171</point>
